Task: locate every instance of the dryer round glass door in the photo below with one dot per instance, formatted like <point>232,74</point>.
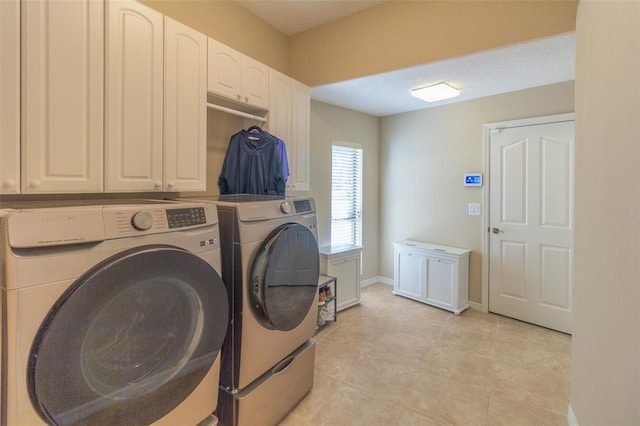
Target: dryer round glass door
<point>129,340</point>
<point>284,277</point>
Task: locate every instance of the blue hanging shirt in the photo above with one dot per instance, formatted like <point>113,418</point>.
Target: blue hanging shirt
<point>252,165</point>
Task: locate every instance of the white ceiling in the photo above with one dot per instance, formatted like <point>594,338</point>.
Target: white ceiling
<point>488,73</point>
<point>518,67</point>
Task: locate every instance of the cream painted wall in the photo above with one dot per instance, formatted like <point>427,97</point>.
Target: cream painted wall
<point>330,123</point>
<point>393,35</point>
<point>231,24</point>
<point>404,33</point>
<point>605,378</point>
<point>423,158</point>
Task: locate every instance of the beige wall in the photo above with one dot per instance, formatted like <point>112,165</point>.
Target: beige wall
<point>605,378</point>
<point>423,158</point>
<point>402,33</point>
<point>393,35</point>
<point>328,124</point>
<point>231,24</point>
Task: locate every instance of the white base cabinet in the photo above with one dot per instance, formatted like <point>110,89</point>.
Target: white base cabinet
<point>433,274</point>
<point>343,263</point>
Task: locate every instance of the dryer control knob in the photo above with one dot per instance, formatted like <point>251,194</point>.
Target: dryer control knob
<point>142,221</point>
<point>285,207</point>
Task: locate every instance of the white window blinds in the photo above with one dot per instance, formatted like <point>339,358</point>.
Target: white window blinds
<point>346,195</point>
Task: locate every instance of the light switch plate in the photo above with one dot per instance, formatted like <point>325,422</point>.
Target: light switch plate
<point>475,209</point>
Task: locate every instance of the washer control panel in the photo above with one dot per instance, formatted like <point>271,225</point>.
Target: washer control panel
<point>42,225</point>
<point>180,218</point>
<point>128,221</point>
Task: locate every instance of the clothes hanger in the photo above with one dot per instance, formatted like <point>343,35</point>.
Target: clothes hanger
<point>254,128</point>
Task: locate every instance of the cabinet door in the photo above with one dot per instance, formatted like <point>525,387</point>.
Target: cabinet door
<point>224,71</point>
<point>347,272</point>
<point>299,143</point>
<point>255,83</point>
<point>62,84</point>
<point>411,275</point>
<point>10,97</point>
<point>440,281</point>
<point>185,101</point>
<point>280,106</point>
<point>134,97</point>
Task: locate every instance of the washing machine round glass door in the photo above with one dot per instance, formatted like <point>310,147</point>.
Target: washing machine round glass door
<point>129,340</point>
<point>284,277</point>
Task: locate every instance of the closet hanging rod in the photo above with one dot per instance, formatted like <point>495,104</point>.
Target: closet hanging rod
<point>236,112</point>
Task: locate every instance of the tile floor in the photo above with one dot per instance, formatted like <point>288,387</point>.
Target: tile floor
<point>394,361</point>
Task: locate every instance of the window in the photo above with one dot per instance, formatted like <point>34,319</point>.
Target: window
<point>346,194</point>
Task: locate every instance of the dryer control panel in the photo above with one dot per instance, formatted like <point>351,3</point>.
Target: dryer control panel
<point>302,206</point>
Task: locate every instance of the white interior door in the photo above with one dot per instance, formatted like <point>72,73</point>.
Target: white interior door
<point>531,223</point>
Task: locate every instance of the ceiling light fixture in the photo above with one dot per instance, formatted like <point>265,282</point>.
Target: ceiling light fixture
<point>436,92</point>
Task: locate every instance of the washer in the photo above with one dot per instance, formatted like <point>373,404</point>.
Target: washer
<point>113,313</point>
<point>270,264</point>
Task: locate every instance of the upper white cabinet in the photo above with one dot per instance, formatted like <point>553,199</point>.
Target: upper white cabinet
<point>134,97</point>
<point>237,77</point>
<point>185,102</point>
<point>289,120</point>
<point>299,141</point>
<point>255,82</point>
<point>280,106</point>
<point>224,71</point>
<point>62,95</point>
<point>10,97</point>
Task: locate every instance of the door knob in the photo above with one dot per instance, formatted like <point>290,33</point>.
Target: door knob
<point>496,230</point>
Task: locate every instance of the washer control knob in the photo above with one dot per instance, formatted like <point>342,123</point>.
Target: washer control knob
<point>285,207</point>
<point>142,221</point>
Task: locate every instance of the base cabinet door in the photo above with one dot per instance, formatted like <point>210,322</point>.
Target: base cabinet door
<point>433,274</point>
<point>411,274</point>
<point>441,282</point>
<point>343,263</point>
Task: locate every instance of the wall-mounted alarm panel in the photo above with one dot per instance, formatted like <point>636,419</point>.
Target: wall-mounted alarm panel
<point>473,179</point>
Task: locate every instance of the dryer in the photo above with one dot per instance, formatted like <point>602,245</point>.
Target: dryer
<point>113,313</point>
<point>270,264</point>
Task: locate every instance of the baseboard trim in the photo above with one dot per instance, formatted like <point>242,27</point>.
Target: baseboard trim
<point>376,280</point>
<point>571,417</point>
<point>476,306</point>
